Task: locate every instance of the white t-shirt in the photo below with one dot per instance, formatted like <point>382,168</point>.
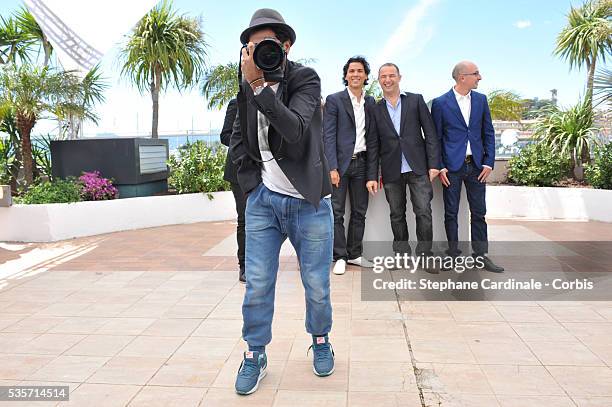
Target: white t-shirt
<point>271,174</point>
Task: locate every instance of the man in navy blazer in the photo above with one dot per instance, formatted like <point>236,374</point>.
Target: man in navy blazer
<point>463,124</point>
<point>345,132</point>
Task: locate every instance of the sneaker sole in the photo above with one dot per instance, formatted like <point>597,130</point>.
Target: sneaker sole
<point>323,375</point>
<point>254,389</point>
<point>367,266</point>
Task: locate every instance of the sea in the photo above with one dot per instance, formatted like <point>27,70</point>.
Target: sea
<point>174,142</point>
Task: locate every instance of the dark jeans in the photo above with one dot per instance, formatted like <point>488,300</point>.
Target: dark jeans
<point>240,233</point>
<point>421,194</point>
<point>353,181</point>
<point>475,189</point>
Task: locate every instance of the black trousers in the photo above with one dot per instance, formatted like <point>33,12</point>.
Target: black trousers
<point>240,199</point>
<point>421,194</point>
<point>352,181</point>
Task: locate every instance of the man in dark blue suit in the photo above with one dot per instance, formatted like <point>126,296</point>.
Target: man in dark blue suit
<point>463,123</point>
<point>345,132</point>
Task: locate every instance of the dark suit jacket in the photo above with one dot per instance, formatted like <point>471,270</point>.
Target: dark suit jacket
<point>339,131</point>
<point>422,153</point>
<point>300,155</point>
<point>229,174</point>
<point>454,132</point>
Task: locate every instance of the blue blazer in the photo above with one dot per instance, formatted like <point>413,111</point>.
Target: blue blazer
<point>339,131</point>
<point>454,132</point>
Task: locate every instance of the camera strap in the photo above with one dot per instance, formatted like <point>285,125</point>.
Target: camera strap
<point>241,101</point>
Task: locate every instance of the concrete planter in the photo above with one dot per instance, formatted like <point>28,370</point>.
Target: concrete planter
<point>545,203</point>
<point>53,222</point>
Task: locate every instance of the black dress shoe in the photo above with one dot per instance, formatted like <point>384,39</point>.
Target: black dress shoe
<point>432,270</point>
<point>490,266</point>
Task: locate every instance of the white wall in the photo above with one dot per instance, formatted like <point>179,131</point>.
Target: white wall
<point>53,222</point>
<point>549,203</point>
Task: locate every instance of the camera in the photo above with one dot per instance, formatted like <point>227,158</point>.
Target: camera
<point>269,56</point>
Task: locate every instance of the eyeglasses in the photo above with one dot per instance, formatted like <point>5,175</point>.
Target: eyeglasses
<point>473,73</point>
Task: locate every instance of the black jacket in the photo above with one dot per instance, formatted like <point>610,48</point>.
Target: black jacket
<point>300,155</point>
<point>417,138</point>
<point>229,174</point>
<point>339,132</point>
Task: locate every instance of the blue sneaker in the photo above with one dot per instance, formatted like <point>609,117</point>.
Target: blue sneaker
<point>251,371</point>
<point>323,358</point>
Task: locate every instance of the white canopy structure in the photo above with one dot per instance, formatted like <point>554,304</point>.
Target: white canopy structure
<point>81,32</point>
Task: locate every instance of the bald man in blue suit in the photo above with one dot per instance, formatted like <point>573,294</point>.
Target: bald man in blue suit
<point>463,124</point>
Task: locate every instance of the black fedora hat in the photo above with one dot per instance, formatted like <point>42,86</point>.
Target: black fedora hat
<point>266,17</point>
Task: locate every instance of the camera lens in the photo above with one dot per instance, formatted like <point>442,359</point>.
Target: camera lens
<point>268,55</point>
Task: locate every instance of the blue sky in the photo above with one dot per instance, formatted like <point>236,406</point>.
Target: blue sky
<point>511,42</point>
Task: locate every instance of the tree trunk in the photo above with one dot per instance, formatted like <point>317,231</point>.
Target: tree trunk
<point>48,48</point>
<point>590,78</point>
<point>25,125</point>
<point>155,85</point>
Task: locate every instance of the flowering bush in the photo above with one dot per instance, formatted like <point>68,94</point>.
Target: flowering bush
<point>96,188</point>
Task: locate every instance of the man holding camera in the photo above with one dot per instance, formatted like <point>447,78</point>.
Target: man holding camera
<point>277,145</point>
<point>345,125</point>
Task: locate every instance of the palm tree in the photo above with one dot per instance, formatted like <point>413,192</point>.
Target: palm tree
<point>586,37</point>
<point>15,44</point>
<point>569,132</point>
<point>164,49</point>
<point>31,92</point>
<point>221,83</point>
<point>602,84</point>
<point>28,25</point>
<point>506,105</point>
<point>79,106</point>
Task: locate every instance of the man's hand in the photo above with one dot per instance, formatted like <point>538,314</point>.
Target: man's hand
<point>444,178</point>
<point>335,178</point>
<point>484,174</point>
<point>250,71</point>
<point>372,187</point>
<point>433,173</point>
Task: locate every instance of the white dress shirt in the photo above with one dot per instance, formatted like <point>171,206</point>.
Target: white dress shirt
<point>359,112</point>
<point>465,105</point>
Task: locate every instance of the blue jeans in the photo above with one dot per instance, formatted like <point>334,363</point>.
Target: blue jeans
<point>271,218</point>
<point>476,194</point>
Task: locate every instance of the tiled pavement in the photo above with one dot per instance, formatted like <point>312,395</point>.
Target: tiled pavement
<point>152,318</point>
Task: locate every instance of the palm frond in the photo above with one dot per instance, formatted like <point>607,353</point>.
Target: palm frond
<point>167,44</point>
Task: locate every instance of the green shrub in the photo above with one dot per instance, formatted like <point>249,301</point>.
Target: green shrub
<point>7,157</point>
<point>599,172</point>
<point>538,165</point>
<point>58,191</point>
<point>198,168</point>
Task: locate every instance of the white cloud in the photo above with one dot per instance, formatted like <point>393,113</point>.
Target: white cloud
<point>408,36</point>
<point>520,24</point>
